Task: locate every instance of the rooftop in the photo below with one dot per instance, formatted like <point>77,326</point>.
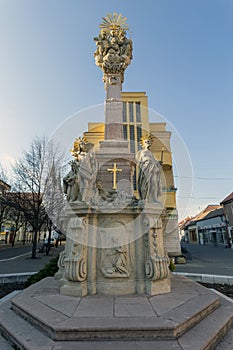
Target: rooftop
<point>229,198</point>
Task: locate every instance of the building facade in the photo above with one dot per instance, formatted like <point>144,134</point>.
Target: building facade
<point>208,227</point>
<point>228,212</point>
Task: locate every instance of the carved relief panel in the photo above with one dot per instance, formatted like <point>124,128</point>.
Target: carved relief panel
<point>115,257</point>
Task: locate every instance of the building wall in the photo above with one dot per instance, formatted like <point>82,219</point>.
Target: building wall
<point>209,231</point>
<point>228,211</point>
<point>212,231</point>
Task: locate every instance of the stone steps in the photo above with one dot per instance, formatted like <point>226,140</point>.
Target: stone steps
<point>170,326</point>
<point>205,335</point>
<point>4,344</point>
<point>191,317</point>
<point>23,334</point>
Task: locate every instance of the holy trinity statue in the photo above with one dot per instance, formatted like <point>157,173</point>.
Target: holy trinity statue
<point>114,51</point>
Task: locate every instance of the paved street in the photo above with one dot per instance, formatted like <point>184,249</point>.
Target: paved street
<point>18,259</point>
<point>8,252</point>
<point>205,259</point>
<point>208,260</point>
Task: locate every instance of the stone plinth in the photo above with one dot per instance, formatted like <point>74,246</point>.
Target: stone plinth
<point>114,249</point>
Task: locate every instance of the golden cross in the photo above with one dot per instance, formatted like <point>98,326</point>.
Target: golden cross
<point>114,170</point>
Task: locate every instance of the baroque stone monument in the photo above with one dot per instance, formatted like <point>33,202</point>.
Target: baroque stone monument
<point>114,247</point>
<point>114,241</point>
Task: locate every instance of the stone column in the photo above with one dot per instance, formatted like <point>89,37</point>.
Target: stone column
<point>114,149</point>
<point>113,108</point>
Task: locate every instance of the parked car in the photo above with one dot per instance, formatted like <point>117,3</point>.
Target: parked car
<point>52,242</point>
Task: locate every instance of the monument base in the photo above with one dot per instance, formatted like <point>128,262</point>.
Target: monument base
<point>190,317</point>
<point>114,249</point>
<point>160,287</point>
<point>74,289</point>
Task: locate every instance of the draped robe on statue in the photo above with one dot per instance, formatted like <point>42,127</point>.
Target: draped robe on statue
<point>149,178</point>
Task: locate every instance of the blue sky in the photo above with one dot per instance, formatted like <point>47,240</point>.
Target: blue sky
<point>183,59</point>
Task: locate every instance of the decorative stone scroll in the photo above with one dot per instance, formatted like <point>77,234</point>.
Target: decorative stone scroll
<point>156,266</point>
<point>76,266</point>
<point>76,260</point>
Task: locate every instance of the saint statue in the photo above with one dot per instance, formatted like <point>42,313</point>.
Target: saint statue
<point>87,173</point>
<point>80,183</point>
<point>149,178</point>
<point>71,183</point>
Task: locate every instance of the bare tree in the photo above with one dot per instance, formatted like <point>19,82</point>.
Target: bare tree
<point>53,199</point>
<point>3,174</point>
<point>14,213</point>
<point>32,174</point>
<point>4,188</point>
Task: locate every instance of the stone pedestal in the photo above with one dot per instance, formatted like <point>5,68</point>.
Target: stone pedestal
<point>114,250</point>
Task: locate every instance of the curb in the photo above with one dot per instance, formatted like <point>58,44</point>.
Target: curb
<point>15,277</point>
<point>9,296</point>
<point>205,278</point>
<point>220,279</point>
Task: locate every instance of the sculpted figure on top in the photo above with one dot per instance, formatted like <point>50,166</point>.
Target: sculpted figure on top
<point>114,51</point>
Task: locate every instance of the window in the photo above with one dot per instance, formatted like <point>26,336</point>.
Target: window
<point>139,135</point>
<point>124,112</point>
<point>125,132</point>
<point>138,112</point>
<point>135,179</point>
<point>131,116</point>
<point>132,140</point>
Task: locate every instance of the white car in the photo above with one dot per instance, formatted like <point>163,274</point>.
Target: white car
<point>52,241</point>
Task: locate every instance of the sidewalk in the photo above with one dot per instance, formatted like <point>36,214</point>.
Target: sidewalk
<point>3,245</point>
<point>24,263</point>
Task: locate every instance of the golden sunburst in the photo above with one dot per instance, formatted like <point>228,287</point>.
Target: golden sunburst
<point>78,146</point>
<point>114,21</point>
<point>146,137</point>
